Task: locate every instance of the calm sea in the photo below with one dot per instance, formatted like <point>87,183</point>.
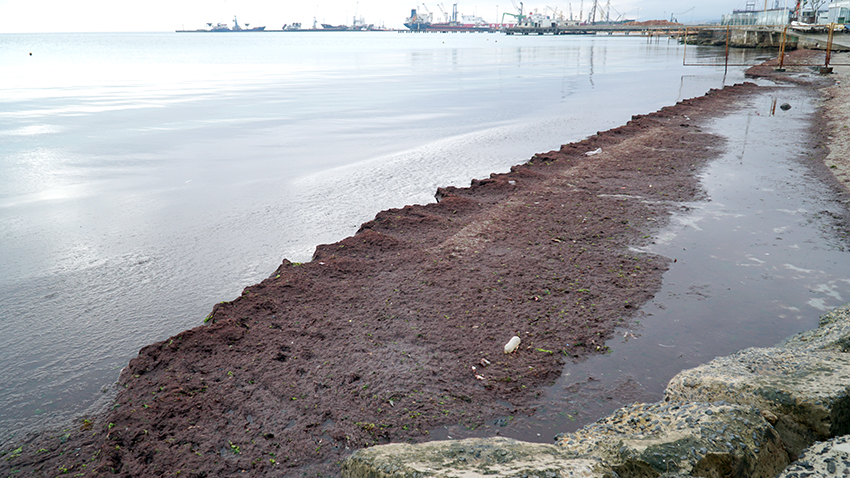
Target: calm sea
<point>147,176</point>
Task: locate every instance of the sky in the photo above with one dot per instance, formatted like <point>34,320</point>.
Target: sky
<point>22,16</point>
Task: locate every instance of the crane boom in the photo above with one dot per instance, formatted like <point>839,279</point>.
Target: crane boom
<point>518,8</point>
<point>445,14</point>
<point>674,19</point>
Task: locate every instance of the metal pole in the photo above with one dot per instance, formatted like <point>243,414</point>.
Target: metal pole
<point>686,45</point>
<point>726,70</point>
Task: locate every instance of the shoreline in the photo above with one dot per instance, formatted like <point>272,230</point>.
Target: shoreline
<point>373,288</point>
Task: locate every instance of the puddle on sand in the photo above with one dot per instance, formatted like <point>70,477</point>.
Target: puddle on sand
<point>757,262</point>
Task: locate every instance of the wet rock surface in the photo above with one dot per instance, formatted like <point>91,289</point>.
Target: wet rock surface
<point>646,440</point>
<point>473,457</point>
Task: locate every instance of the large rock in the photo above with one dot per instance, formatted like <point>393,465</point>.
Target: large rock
<point>832,334</point>
<point>698,439</point>
<point>470,458</point>
<point>825,459</point>
<point>803,393</point>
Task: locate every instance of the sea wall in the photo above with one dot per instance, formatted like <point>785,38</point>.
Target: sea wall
<point>760,412</point>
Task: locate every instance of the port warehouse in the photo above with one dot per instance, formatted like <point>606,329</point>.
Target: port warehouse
<point>838,12</point>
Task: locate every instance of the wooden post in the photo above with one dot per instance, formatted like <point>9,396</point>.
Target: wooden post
<point>684,58</point>
<point>728,33</point>
<point>782,49</point>
<point>829,44</point>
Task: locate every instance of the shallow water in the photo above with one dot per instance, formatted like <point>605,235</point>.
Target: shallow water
<point>760,260</point>
<point>148,176</point>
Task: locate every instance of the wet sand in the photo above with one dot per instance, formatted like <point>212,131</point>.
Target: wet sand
<point>400,329</point>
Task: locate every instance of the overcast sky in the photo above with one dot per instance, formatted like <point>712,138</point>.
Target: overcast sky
<point>17,16</point>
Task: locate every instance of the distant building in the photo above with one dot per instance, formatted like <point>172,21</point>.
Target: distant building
<point>839,12</point>
<point>775,16</point>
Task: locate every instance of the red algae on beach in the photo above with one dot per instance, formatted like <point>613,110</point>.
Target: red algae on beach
<point>401,328</point>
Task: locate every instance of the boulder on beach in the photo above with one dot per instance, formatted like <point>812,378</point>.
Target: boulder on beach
<point>832,334</point>
<point>803,393</point>
<point>697,439</point>
<point>470,458</point>
<point>829,458</point>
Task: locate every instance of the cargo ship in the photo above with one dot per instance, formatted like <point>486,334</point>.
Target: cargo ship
<point>424,22</point>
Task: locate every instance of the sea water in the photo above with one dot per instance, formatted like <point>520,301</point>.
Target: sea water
<point>147,176</point>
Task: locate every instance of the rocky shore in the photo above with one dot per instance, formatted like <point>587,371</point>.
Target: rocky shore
<point>749,414</point>
<point>400,329</point>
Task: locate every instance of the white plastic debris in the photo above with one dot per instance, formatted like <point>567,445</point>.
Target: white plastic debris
<point>595,151</point>
<point>512,344</point>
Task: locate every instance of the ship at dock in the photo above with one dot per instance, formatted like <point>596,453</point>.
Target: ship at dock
<point>424,22</point>
<point>357,25</point>
<point>223,27</point>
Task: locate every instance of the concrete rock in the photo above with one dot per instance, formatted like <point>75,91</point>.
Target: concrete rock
<point>825,459</point>
<point>473,457</point>
<point>697,439</point>
<point>832,334</point>
<point>803,393</point>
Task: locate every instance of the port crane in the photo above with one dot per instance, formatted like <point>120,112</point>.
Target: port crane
<point>517,16</point>
<point>519,9</point>
<point>591,15</point>
<point>445,13</point>
<point>674,19</point>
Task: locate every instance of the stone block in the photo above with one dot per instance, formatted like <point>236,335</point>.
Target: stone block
<point>824,459</point>
<point>804,394</point>
<point>697,439</point>
<point>470,458</point>
<point>832,334</point>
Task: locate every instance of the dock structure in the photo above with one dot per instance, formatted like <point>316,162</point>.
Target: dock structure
<point>749,36</point>
<point>596,29</point>
<point>814,37</point>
